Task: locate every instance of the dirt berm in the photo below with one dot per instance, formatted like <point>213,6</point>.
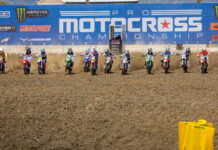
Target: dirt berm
<point>136,111</point>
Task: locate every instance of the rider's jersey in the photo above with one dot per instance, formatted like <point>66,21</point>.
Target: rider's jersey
<point>72,55</point>
<point>126,56</point>
<point>86,54</point>
<point>168,53</point>
<point>205,53</point>
<point>152,54</point>
<point>185,54</point>
<point>28,57</point>
<point>96,54</point>
<point>4,55</point>
<point>28,53</point>
<point>44,56</point>
<point>107,54</point>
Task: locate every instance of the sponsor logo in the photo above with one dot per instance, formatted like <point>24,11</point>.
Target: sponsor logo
<point>5,14</point>
<point>23,13</point>
<point>7,28</point>
<point>5,40</point>
<point>216,11</point>
<point>35,28</point>
<point>215,37</point>
<point>152,24</point>
<point>214,26</point>
<point>160,24</point>
<point>35,39</point>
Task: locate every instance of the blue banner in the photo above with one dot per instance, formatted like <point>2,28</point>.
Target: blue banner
<point>83,24</point>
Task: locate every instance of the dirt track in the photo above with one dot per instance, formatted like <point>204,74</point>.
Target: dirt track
<point>135,111</point>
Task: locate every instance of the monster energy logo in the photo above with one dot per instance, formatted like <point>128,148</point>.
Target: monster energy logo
<point>216,11</point>
<point>23,13</point>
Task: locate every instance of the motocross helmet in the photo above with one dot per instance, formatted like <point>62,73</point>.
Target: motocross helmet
<point>42,51</point>
<point>1,50</point>
<point>167,49</point>
<point>28,50</point>
<point>127,52</point>
<point>149,50</point>
<point>188,50</point>
<point>204,49</point>
<point>87,50</point>
<point>106,50</point>
<point>69,51</point>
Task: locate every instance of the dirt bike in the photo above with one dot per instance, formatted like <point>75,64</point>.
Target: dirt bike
<point>166,64</point>
<point>184,64</point>
<point>93,65</point>
<point>149,63</point>
<point>41,66</point>
<point>108,64</point>
<point>25,65</point>
<point>86,64</point>
<point>2,65</point>
<point>124,65</point>
<point>69,65</point>
<point>204,64</point>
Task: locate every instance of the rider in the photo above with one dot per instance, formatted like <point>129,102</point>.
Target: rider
<point>150,52</point>
<point>3,54</point>
<point>186,55</point>
<point>28,55</point>
<point>167,52</point>
<point>205,53</point>
<point>126,55</point>
<point>108,53</point>
<point>70,53</point>
<point>42,55</point>
<point>96,54</point>
<point>87,53</point>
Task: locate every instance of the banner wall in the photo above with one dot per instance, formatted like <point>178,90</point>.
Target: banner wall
<point>82,24</point>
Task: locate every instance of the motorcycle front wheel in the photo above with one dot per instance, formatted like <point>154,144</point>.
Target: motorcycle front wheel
<point>26,70</point>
